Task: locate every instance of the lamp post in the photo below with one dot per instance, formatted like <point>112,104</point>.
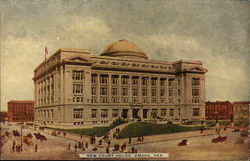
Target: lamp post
<point>216,119</point>
<point>22,137</point>
<point>232,119</point>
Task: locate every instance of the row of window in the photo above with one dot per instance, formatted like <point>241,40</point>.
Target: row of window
<point>46,113</point>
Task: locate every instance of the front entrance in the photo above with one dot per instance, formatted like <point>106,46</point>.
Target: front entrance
<point>125,113</point>
<point>135,113</point>
<point>145,113</point>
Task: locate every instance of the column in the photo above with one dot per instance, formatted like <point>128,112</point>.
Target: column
<point>62,85</point>
<point>119,89</point>
<point>97,87</point>
<point>130,89</point>
<point>109,87</point>
<point>158,95</point>
<point>149,89</point>
<point>140,89</point>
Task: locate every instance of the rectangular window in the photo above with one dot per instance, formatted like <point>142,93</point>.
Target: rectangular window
<point>144,92</point>
<point>153,91</point>
<point>195,81</point>
<point>114,112</point>
<point>93,90</point>
<point>154,113</point>
<point>124,91</point>
<point>77,75</point>
<point>77,88</point>
<point>124,80</point>
<point>196,111</point>
<point>162,82</point>
<point>135,92</point>
<point>104,100</point>
<point>114,91</point>
<point>78,113</point>
<point>104,91</point>
<point>104,79</point>
<point>170,82</point>
<point>171,112</point>
<point>114,80</point>
<point>153,82</point>
<point>195,92</point>
<point>94,113</point>
<point>104,113</point>
<point>144,81</point>
<point>134,81</point>
<point>163,112</point>
<point>93,78</point>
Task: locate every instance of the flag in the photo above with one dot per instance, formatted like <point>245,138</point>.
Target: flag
<point>46,52</point>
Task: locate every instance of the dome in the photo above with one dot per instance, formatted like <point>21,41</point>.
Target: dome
<point>124,49</point>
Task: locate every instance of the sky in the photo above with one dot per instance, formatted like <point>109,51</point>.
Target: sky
<point>215,32</point>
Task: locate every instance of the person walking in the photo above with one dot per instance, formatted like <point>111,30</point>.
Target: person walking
<point>36,148</point>
<point>13,146</point>
<point>86,145</point>
<point>68,147</point>
<point>75,147</point>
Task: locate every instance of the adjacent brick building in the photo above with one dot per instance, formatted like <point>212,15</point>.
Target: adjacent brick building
<point>21,111</point>
<point>223,110</point>
<point>241,109</point>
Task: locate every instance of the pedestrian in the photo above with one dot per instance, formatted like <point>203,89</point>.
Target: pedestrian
<point>114,136</point>
<point>129,141</point>
<point>36,148</point>
<point>75,147</point>
<point>79,145</point>
<point>100,142</point>
<point>81,136</point>
<point>201,129</point>
<point>86,145</point>
<point>142,139</point>
<point>83,148</point>
<point>107,149</point>
<point>68,147</point>
<point>13,146</point>
<point>109,142</point>
<point>133,149</point>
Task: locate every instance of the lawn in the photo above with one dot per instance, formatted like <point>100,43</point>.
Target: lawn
<point>98,131</point>
<point>147,128</point>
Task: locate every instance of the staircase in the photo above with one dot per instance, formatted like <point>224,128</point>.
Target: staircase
<point>122,126</point>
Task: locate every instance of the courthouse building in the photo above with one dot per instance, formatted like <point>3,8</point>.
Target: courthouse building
<point>21,111</point>
<point>75,89</point>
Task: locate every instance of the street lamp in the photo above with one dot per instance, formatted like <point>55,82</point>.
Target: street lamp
<point>216,117</point>
<point>22,137</point>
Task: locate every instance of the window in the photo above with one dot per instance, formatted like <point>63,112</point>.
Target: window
<point>104,79</point>
<point>170,82</point>
<point>144,92</point>
<point>77,75</point>
<point>162,82</point>
<point>135,92</point>
<point>114,91</point>
<point>196,111</point>
<point>144,81</point>
<point>77,88</point>
<point>162,92</point>
<point>195,81</point>
<point>104,100</point>
<point>93,90</point>
<point>170,93</point>
<point>93,78</point>
<point>153,92</point>
<point>114,80</point>
<point>195,92</point>
<point>179,111</point>
<point>52,113</point>
<point>179,92</point>
<point>104,113</point>
<point>124,100</point>
<point>134,81</point>
<point>93,113</point>
<point>171,112</point>
<point>124,91</point>
<point>153,82</point>
<point>78,113</point>
<point>163,112</point>
<point>179,82</point>
<point>104,91</point>
<point>154,113</point>
<point>114,100</point>
<point>134,100</point>
<point>114,112</point>
<point>195,100</point>
<point>124,80</point>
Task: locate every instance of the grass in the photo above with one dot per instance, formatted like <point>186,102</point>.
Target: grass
<point>146,129</point>
<point>98,131</point>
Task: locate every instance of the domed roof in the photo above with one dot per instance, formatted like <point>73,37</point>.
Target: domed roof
<point>124,49</point>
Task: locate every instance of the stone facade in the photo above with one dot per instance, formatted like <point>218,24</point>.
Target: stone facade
<point>74,89</point>
<point>21,111</point>
<point>241,109</point>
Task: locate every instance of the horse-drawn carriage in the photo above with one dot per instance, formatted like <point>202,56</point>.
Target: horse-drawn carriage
<point>15,133</point>
<point>40,137</point>
<point>219,139</point>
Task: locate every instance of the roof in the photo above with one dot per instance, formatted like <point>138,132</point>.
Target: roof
<point>125,49</point>
<point>21,101</point>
